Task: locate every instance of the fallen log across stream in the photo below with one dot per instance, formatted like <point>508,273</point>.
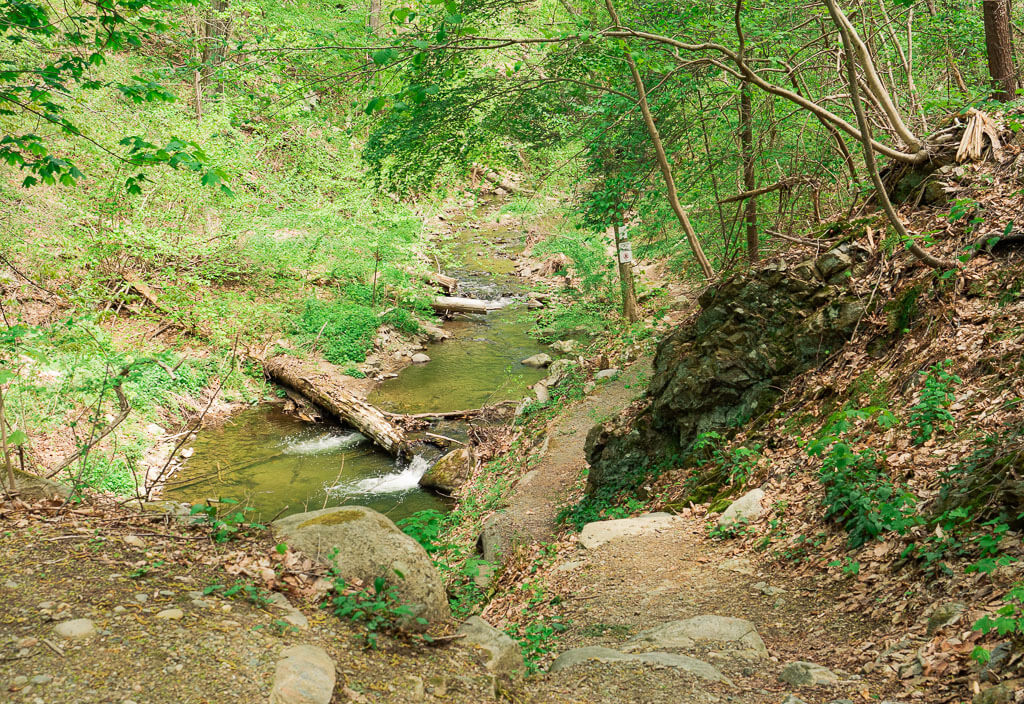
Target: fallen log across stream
<point>324,386</point>
<point>450,304</point>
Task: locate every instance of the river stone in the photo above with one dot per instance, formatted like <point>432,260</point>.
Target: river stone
<point>420,358</point>
<point>504,656</point>
<point>448,473</point>
<point>75,629</point>
<point>304,675</point>
<point>541,390</point>
<point>739,634</point>
<point>557,371</point>
<point>538,360</point>
<point>745,509</point>
<point>362,544</point>
<point>598,533</point>
<point>576,656</point>
<point>607,374</point>
<point>564,346</point>
<point>807,674</point>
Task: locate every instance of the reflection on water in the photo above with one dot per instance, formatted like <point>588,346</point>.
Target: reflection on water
<point>275,463</point>
<point>480,364</point>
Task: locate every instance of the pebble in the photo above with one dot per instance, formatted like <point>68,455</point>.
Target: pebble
<point>27,642</point>
<point>11,584</point>
<point>119,609</point>
<point>166,592</point>
<point>42,679</point>
<point>142,598</point>
<point>46,605</point>
<point>19,681</point>
<point>171,614</point>
<point>76,628</point>
<point>135,541</point>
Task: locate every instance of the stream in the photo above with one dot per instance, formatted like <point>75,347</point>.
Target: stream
<point>277,464</point>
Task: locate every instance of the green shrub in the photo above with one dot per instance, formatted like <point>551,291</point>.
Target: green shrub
<point>402,320</point>
<point>859,496</point>
<point>931,413</point>
<point>344,331</point>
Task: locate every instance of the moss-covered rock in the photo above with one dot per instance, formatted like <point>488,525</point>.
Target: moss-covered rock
<point>361,544</point>
<point>754,333</point>
<point>448,473</point>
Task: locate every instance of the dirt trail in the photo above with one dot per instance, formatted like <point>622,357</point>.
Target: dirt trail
<point>533,506</point>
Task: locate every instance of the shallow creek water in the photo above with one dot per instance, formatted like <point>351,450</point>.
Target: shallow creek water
<point>277,464</point>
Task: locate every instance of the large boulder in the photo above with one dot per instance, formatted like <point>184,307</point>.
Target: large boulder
<point>361,544</point>
<point>755,332</point>
<point>448,473</point>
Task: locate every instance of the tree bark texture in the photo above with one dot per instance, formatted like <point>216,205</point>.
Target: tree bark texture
<point>749,179</point>
<point>324,387</point>
<point>999,46</point>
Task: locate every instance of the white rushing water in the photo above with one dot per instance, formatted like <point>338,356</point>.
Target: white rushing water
<point>324,443</point>
<point>404,479</point>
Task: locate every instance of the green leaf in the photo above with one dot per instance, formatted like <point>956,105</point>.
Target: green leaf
<point>18,437</point>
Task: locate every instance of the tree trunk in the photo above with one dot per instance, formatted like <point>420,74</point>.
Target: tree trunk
<point>374,15</point>
<point>216,29</point>
<point>326,389</point>
<point>659,151</point>
<point>999,45</point>
<point>749,180</point>
<point>624,253</point>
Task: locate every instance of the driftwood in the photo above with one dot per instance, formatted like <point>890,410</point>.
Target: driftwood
<point>456,415</point>
<point>325,388</point>
<point>448,284</point>
<point>449,304</point>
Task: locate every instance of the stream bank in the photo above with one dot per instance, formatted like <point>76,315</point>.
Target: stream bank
<point>279,465</point>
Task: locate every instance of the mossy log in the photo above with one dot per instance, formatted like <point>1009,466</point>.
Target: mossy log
<point>325,387</point>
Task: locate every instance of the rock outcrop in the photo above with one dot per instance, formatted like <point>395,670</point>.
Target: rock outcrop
<point>753,334</point>
<point>360,543</point>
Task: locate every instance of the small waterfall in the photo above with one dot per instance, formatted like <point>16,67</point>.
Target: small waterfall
<point>323,443</point>
<point>403,480</point>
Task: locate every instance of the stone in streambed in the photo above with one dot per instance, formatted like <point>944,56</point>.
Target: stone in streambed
<point>538,360</point>
<point>564,346</point>
<point>362,544</point>
<point>304,675</point>
<point>420,358</point>
<point>607,374</point>
<point>448,473</point>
